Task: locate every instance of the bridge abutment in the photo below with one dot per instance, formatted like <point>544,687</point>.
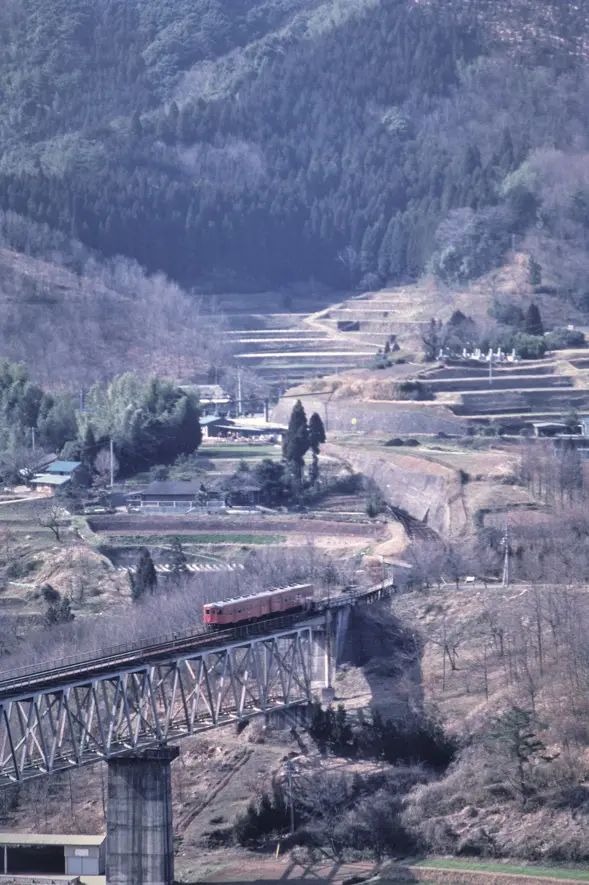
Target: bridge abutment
<point>139,838</point>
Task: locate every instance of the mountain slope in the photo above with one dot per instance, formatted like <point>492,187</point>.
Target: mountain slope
<point>351,141</point>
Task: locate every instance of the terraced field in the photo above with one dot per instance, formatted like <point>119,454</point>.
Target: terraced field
<point>533,391</point>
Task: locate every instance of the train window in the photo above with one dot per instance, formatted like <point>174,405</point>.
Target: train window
<point>207,611</point>
<point>219,611</point>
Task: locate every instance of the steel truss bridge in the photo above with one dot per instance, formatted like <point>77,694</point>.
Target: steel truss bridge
<point>133,698</point>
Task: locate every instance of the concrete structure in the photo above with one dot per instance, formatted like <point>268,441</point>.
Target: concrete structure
<point>36,854</point>
<point>126,706</point>
<point>139,828</point>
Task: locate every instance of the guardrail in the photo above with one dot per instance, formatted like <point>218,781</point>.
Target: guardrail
<point>155,647</point>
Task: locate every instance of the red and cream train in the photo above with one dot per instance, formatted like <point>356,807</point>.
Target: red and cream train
<point>243,609</point>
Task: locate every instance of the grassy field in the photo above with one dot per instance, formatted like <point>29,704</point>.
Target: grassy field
<point>513,869</point>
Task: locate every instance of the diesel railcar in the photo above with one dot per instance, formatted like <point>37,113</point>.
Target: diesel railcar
<point>244,609</point>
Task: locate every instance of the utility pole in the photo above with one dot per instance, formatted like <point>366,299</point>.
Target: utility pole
<point>505,582</point>
<point>289,769</point>
<point>239,393</point>
<point>112,464</point>
<point>491,366</point>
<point>33,438</point>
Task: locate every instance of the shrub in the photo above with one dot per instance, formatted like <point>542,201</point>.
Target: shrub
<point>375,506</point>
<point>50,594</point>
<point>529,347</point>
<point>561,339</point>
<point>507,312</point>
<point>270,815</point>
<point>413,390</point>
<point>159,472</point>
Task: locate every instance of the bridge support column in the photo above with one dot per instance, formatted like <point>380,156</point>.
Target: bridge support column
<point>139,839</point>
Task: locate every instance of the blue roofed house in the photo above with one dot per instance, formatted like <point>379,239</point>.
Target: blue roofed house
<point>64,468</point>
<point>56,476</point>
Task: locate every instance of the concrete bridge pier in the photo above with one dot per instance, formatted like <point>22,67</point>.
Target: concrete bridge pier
<point>328,649</point>
<point>139,839</point>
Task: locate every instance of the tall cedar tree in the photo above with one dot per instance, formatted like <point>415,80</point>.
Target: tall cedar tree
<point>533,322</point>
<point>296,443</point>
<point>178,560</point>
<point>145,578</point>
<point>316,439</point>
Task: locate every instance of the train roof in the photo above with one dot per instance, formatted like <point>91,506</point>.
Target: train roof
<point>263,595</point>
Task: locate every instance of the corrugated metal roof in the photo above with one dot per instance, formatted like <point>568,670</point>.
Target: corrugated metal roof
<point>63,466</point>
<point>45,839</point>
<point>169,488</point>
<point>216,419</point>
<point>48,479</point>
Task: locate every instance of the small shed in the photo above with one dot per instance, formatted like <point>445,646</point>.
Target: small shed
<point>35,854</point>
<point>548,428</point>
<point>241,490</point>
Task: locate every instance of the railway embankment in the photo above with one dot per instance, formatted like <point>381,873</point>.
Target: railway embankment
<point>429,492</point>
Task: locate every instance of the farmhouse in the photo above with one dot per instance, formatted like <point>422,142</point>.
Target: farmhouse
<point>212,397</point>
<point>64,468</point>
<point>48,482</point>
<point>215,425</point>
<point>168,494</point>
<point>55,476</point>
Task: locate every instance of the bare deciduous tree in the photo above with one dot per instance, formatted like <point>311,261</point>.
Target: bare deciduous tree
<point>50,514</point>
<point>102,466</point>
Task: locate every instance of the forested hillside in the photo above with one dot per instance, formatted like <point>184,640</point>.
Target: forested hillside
<point>357,142</point>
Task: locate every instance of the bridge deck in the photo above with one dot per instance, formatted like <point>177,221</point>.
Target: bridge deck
<point>133,698</point>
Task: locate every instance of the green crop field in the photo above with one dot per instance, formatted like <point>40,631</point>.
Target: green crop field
<point>237,452</point>
<point>194,539</point>
<point>513,869</point>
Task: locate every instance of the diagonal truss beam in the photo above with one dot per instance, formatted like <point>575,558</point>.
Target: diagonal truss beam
<point>89,719</point>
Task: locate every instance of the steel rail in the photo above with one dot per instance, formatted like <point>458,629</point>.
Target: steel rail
<point>49,674</point>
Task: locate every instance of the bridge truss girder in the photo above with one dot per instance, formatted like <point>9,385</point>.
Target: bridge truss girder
<point>145,705</point>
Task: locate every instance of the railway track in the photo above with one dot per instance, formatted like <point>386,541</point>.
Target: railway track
<point>415,529</point>
<point>50,675</point>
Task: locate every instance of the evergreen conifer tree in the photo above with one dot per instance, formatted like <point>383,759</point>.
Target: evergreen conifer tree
<point>178,560</point>
<point>89,446</point>
<point>316,439</point>
<point>296,443</point>
<point>533,323</point>
<point>145,578</point>
<point>534,272</point>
